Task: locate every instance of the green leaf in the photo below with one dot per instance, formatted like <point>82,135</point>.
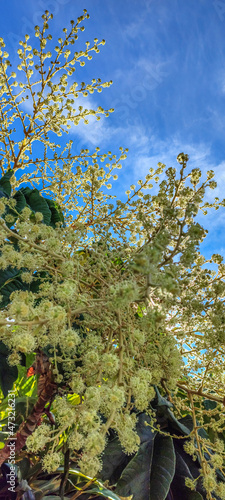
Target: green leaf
<point>163,467</point>
<point>26,191</point>
<point>143,428</point>
<point>24,467</point>
<point>20,201</point>
<point>37,203</point>
<point>114,461</point>
<point>194,495</point>
<point>177,424</point>
<point>2,194</point>
<point>5,184</point>
<point>9,282</point>
<point>97,485</point>
<point>182,468</point>
<point>209,405</point>
<point>26,386</point>
<point>187,422</point>
<point>161,401</point>
<point>55,497</point>
<point>150,473</point>
<point>8,374</point>
<point>135,479</point>
<point>3,436</point>
<point>48,486</point>
<point>185,468</point>
<point>34,471</point>
<point>164,410</point>
<point>103,492</point>
<point>56,212</point>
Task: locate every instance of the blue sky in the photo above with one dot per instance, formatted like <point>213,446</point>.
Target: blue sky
<point>167,62</point>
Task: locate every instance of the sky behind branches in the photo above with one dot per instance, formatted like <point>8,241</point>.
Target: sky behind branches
<point>166,60</point>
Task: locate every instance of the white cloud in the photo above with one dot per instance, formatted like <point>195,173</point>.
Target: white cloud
<point>166,151</point>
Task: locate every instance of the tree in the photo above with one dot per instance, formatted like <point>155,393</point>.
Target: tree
<point>105,298</point>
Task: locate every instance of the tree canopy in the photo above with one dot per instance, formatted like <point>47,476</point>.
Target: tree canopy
<point>110,301</point>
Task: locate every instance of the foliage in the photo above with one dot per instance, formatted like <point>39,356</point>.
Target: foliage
<point>110,295</point>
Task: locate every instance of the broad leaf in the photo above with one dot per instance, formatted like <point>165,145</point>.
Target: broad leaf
<point>163,467</point>
<point>20,201</point>
<point>187,422</point>
<point>194,495</point>
<point>2,194</point>
<point>8,374</point>
<point>24,467</point>
<point>178,487</point>
<point>37,203</point>
<point>5,185</point>
<point>135,479</point>
<point>114,461</point>
<point>164,413</point>
<point>47,486</point>
<point>10,282</point>
<point>209,405</point>
<point>182,469</point>
<point>160,400</point>
<point>26,191</point>
<point>54,497</point>
<point>56,212</point>
<point>177,425</point>
<point>143,427</point>
<point>102,492</point>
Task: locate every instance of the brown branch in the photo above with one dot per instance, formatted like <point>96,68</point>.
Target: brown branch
<point>46,391</point>
<point>202,394</point>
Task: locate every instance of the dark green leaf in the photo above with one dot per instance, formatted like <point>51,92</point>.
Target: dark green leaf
<point>163,467</point>
<point>2,194</point>
<point>56,212</point>
<point>20,201</point>
<point>29,360</point>
<point>192,465</point>
<point>177,425</point>
<point>135,479</point>
<point>209,405</point>
<point>26,191</point>
<point>8,374</point>
<point>165,415</point>
<point>178,487</point>
<point>114,461</point>
<point>38,278</point>
<point>143,428</point>
<point>103,492</point>
<point>9,282</point>
<point>187,421</point>
<point>48,486</point>
<point>37,203</point>
<point>160,400</point>
<point>34,470</point>
<point>24,467</point>
<point>5,185</point>
<point>194,495</point>
<point>55,497</point>
<point>182,469</point>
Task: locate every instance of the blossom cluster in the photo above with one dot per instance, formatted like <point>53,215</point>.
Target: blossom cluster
<point>118,295</point>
